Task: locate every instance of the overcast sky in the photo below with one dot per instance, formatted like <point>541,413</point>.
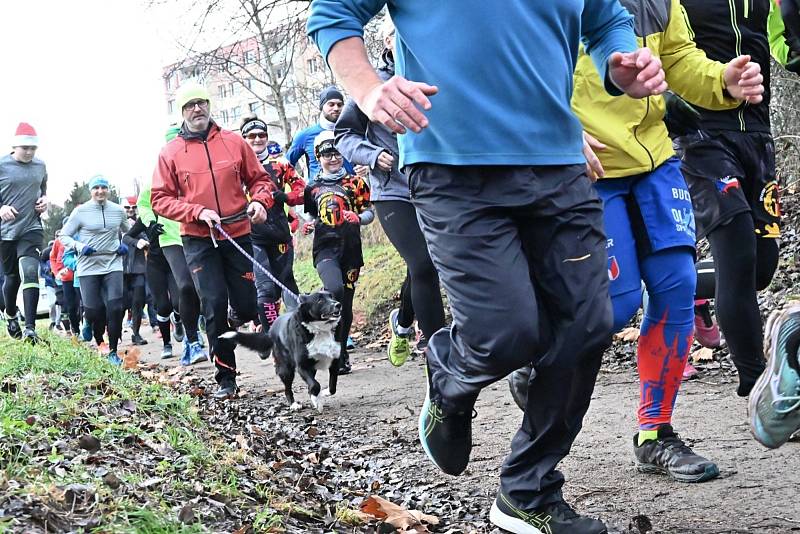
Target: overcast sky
<point>87,75</point>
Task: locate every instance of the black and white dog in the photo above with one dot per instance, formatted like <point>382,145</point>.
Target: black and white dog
<point>301,340</point>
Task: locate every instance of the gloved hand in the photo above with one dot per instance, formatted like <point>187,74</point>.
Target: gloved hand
<point>142,244</point>
<point>154,230</point>
<point>280,196</point>
<point>87,251</point>
<point>681,118</point>
<point>122,249</point>
<point>350,216</point>
<point>308,227</point>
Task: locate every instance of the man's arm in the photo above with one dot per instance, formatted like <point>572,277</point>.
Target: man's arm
<point>351,137</point>
<point>70,229</point>
<point>295,183</point>
<point>144,204</point>
<point>297,148</point>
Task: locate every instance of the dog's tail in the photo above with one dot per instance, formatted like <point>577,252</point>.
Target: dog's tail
<point>259,342</point>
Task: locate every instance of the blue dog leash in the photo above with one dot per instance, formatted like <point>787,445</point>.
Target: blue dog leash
<point>244,253</point>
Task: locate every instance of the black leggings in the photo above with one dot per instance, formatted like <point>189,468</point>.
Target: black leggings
<point>164,291</point>
<point>189,302</point>
<point>419,294</point>
<point>333,280</point>
<point>134,299</point>
<point>102,303</point>
<point>744,265</point>
<point>72,305</point>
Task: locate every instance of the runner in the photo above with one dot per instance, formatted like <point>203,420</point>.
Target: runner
<point>135,269</point>
<point>272,240</point>
<point>331,103</point>
<point>54,296</point>
<point>65,276</point>
<point>97,226</point>
<point>199,182</point>
<point>649,222</point>
<point>375,146</point>
<point>339,203</point>
<point>499,202</point>
<point>23,190</point>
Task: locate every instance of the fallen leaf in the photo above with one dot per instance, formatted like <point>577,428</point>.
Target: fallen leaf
<point>397,516</point>
<point>112,481</point>
<point>130,358</point>
<point>242,441</point>
<point>703,354</point>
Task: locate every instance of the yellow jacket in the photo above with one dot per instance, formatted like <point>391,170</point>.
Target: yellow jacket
<point>633,129</point>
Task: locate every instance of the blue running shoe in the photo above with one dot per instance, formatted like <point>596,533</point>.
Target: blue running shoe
<point>774,404</point>
<point>113,358</point>
<point>86,332</point>
<point>350,343</point>
<point>197,353</point>
<point>186,359</point>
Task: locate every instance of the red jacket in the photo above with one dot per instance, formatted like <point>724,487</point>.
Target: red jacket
<point>57,261</point>
<point>193,175</point>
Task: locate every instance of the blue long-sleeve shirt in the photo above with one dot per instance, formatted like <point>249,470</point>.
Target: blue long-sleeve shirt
<point>303,144</point>
<point>504,71</point>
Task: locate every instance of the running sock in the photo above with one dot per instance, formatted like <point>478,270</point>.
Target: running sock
<point>647,435</point>
<point>163,327</point>
<point>30,297</point>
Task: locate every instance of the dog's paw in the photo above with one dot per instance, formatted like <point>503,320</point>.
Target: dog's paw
<point>296,406</point>
<point>317,402</point>
<point>325,393</point>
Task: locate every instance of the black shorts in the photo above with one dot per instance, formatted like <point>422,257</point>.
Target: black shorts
<point>28,244</point>
<point>730,173</point>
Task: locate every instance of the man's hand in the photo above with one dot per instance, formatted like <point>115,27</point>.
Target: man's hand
<point>362,171</point>
<point>142,244</point>
<point>308,227</point>
<point>396,102</point>
<point>350,216</point>
<point>744,81</point>
<point>209,217</point>
<point>385,161</point>
<point>257,213</point>
<point>8,213</point>
<point>638,74</point>
<point>594,169</point>
<point>41,204</point>
<point>154,230</point>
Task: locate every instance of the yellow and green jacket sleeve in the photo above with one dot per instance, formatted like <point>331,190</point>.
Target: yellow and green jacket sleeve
<point>633,129</point>
<point>776,30</point>
<point>172,229</point>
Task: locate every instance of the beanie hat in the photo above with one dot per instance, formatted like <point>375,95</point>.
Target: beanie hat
<point>190,90</point>
<point>324,142</point>
<point>273,148</point>
<point>98,181</point>
<point>329,93</point>
<point>253,123</point>
<point>25,136</point>
<point>172,132</point>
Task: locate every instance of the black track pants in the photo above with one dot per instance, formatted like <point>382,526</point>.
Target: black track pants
<point>189,301</point>
<point>335,281</point>
<point>102,302</point>
<point>521,253</point>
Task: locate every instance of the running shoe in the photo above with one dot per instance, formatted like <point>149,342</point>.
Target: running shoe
<point>113,358</point>
<point>399,346</point>
<point>446,439</point>
<point>552,518</point>
<point>227,390</point>
<point>186,359</point>
<point>29,335</point>
<point>350,343</point>
<point>422,343</point>
<point>12,326</point>
<point>136,339</point>
<point>669,455</point>
<point>344,364</point>
<point>178,332</point>
<point>86,332</point>
<point>689,371</point>
<point>774,404</point>
<point>197,354</point>
<point>166,352</point>
<point>706,330</point>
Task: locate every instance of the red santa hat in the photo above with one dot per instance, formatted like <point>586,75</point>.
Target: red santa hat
<point>25,136</point>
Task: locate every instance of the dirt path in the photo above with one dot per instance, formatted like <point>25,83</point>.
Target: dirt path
<point>377,407</point>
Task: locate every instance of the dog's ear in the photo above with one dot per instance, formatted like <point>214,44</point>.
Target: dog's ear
<point>303,298</point>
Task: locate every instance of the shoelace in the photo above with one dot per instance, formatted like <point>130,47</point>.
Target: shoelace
<point>795,399</point>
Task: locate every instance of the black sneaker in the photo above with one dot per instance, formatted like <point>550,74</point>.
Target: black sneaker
<point>669,455</point>
<point>137,339</point>
<point>518,384</point>
<point>12,326</point>
<point>344,364</point>
<point>553,518</point>
<point>227,390</point>
<point>29,335</point>
<point>446,439</point>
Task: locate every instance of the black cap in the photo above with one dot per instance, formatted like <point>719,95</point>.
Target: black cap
<point>330,93</point>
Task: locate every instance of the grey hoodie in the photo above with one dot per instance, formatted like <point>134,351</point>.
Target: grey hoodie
<point>361,142</point>
<point>98,226</point>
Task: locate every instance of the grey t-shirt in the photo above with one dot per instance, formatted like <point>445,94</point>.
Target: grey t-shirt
<point>21,185</point>
<point>99,226</point>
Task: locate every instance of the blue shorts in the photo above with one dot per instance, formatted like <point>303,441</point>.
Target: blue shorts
<point>643,214</point>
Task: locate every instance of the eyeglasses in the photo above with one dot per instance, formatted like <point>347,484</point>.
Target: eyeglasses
<point>189,106</point>
<point>130,207</point>
<point>261,135</point>
<point>330,155</point>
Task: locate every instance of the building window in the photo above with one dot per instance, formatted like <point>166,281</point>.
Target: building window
<point>224,116</point>
<point>254,107</point>
<point>236,113</point>
<point>249,56</point>
<point>312,65</point>
<point>231,88</point>
<point>223,91</point>
<point>171,107</point>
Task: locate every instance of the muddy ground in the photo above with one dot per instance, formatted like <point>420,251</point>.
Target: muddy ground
<point>368,430</point>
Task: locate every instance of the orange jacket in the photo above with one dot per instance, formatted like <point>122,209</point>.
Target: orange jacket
<point>194,174</point>
<point>57,261</point>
